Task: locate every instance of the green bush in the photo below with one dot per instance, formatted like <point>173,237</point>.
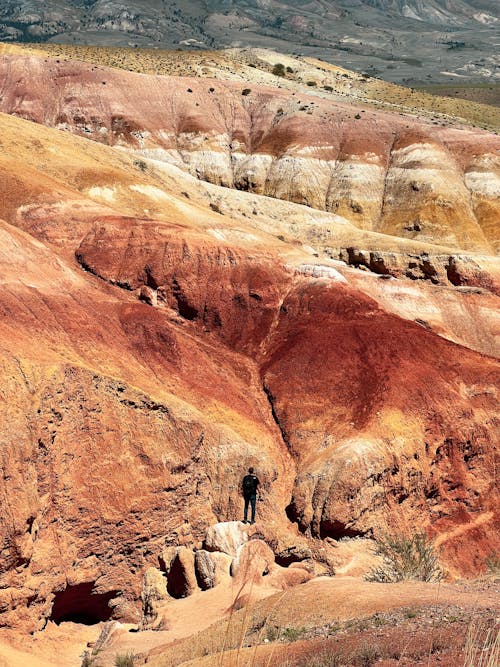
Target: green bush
<point>279,69</point>
<point>292,634</point>
<point>272,633</point>
<point>367,655</point>
<point>404,557</point>
<point>125,660</point>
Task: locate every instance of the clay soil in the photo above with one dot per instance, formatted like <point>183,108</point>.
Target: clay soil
<point>348,622</point>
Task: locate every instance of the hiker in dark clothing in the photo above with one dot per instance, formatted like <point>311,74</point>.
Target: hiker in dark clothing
<point>249,488</point>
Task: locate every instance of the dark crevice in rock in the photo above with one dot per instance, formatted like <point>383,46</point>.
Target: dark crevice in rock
<point>79,604</point>
<point>453,273</point>
<point>336,530</point>
<point>86,267</point>
<point>293,554</point>
<point>150,279</point>
<point>271,400</point>
<point>294,517</point>
<point>185,309</point>
<point>177,584</point>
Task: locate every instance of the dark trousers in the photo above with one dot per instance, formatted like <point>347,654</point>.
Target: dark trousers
<point>252,501</point>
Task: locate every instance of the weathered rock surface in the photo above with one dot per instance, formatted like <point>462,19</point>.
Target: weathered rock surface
<point>227,537</point>
<point>152,349</point>
<point>205,569</point>
<point>253,560</point>
<point>153,595</point>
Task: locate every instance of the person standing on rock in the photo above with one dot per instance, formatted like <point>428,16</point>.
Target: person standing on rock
<point>249,487</point>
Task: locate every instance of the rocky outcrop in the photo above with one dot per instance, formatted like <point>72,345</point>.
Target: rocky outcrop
<point>226,537</point>
<point>153,595</point>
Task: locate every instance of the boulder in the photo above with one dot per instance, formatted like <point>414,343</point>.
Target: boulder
<point>211,568</point>
<point>227,537</point>
<point>284,577</point>
<point>181,580</point>
<point>253,560</point>
<point>154,593</point>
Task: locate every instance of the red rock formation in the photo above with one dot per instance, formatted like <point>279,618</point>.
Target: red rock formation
<point>140,381</point>
<point>112,415</point>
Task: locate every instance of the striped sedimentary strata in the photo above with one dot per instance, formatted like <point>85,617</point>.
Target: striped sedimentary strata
<point>383,172</point>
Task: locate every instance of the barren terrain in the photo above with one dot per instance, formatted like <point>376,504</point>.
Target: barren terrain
<point>411,42</point>
<point>197,279</point>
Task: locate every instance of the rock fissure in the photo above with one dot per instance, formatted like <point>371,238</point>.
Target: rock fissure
<point>272,404</point>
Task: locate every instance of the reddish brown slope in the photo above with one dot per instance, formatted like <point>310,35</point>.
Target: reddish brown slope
<point>125,425</point>
<point>391,425</point>
<point>388,423</point>
<point>111,415</point>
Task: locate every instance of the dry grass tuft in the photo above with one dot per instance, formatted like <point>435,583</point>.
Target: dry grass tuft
<point>482,646</point>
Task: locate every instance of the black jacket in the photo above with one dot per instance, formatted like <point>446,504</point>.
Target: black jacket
<point>249,485</point>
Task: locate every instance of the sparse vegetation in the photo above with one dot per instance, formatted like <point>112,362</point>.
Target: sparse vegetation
<point>140,164</point>
<point>482,646</point>
<point>367,655</point>
<point>476,103</point>
<point>279,69</point>
<point>292,634</point>
<point>89,660</point>
<point>492,562</point>
<point>405,557</point>
<point>246,91</point>
<point>125,660</point>
<point>326,658</point>
<point>272,633</point>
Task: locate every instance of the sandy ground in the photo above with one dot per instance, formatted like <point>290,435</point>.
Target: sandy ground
<point>421,624</point>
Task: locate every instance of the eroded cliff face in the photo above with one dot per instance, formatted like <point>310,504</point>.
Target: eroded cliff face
<point>158,337</point>
<point>349,385</point>
<point>120,428</point>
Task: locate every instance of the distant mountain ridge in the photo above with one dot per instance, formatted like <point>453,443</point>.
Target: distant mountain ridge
<point>398,39</point>
<point>454,12</point>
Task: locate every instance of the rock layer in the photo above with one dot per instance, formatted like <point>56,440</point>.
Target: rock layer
<point>383,172</point>
<point>153,349</point>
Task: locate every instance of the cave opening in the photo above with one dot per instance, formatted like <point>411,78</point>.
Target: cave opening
<point>177,583</point>
<point>79,604</point>
<point>337,530</point>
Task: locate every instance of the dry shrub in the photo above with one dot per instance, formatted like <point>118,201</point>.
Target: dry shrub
<point>406,557</point>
